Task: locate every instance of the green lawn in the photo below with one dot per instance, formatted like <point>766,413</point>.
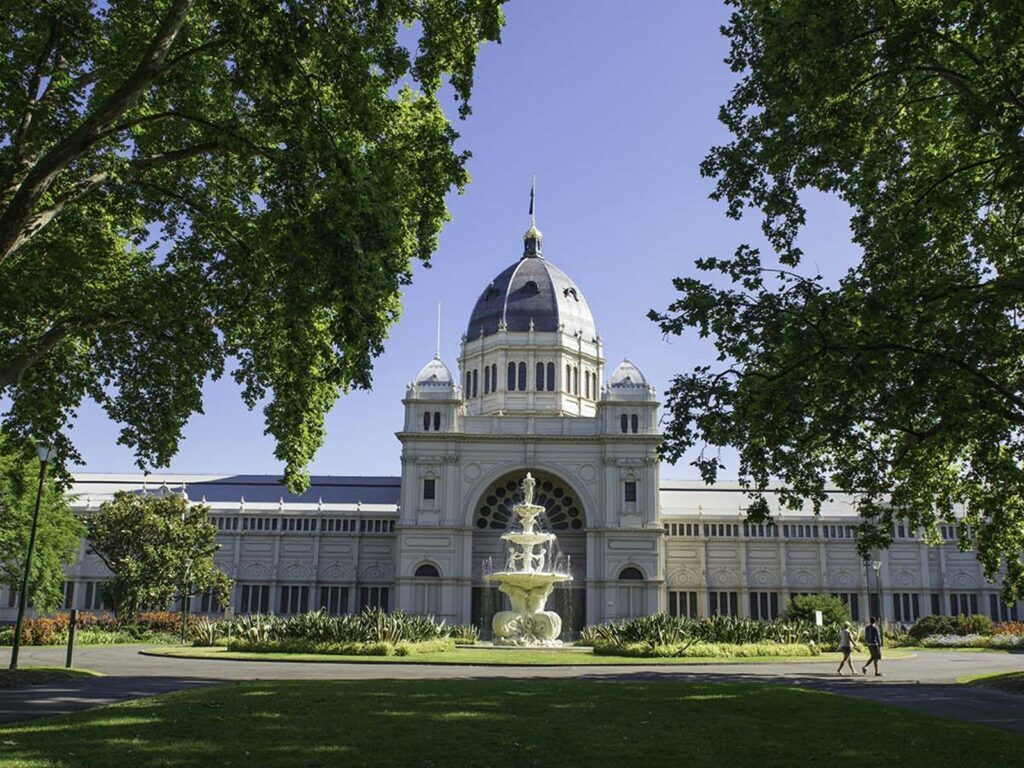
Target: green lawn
<point>516,723</point>
<point>496,657</point>
<point>38,675</point>
<point>1012,682</point>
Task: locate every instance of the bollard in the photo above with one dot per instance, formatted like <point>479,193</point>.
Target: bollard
<point>72,626</point>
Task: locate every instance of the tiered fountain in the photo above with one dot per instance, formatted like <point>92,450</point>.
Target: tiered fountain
<point>528,579</point>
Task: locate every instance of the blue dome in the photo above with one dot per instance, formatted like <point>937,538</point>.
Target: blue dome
<point>533,290</point>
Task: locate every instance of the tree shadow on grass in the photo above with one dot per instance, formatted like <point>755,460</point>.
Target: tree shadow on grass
<point>556,723</point>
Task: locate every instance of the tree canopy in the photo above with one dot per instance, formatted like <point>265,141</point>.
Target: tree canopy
<point>57,537</point>
<point>158,547</point>
<point>903,381</point>
<point>192,185</point>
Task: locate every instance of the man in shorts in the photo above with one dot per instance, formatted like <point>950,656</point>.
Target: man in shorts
<point>846,644</point>
<point>873,640</point>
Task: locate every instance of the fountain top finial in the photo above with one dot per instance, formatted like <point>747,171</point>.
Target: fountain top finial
<point>528,485</point>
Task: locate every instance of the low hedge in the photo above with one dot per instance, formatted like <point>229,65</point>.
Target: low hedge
<point>951,625</point>
<point>296,645</point>
<point>974,641</point>
<point>706,650</point>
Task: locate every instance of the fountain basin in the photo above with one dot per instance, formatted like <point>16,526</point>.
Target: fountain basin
<point>528,539</point>
<point>527,623</point>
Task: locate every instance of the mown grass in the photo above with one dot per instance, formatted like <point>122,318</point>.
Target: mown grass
<point>10,678</point>
<point>1012,682</point>
<point>496,657</point>
<point>521,723</point>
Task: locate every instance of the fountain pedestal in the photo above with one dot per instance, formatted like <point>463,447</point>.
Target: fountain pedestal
<point>528,579</point>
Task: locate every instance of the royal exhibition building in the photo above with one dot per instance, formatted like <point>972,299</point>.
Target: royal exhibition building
<point>533,395</point>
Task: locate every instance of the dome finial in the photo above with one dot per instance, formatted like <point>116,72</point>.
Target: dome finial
<point>533,238</point>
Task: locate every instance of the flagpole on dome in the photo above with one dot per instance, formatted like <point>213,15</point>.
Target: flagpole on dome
<point>533,192</point>
<point>532,238</point>
<point>437,349</point>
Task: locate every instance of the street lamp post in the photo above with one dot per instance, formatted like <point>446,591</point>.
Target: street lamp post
<point>43,451</point>
<point>877,566</point>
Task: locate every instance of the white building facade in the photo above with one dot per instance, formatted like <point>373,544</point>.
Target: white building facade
<point>532,396</point>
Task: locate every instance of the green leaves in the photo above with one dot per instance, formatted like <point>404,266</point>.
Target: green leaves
<point>158,548</point>
<point>57,536</point>
<point>902,382</point>
<point>191,184</point>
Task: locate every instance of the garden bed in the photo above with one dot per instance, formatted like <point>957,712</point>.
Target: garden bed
<point>496,657</point>
<point>708,650</point>
<point>299,646</point>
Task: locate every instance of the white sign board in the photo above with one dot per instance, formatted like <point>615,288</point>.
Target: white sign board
<point>817,618</point>
<point>229,613</point>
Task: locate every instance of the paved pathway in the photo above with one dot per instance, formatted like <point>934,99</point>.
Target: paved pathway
<point>924,682</point>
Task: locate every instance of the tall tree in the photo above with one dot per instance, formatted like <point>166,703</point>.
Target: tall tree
<point>902,382</point>
<point>58,534</point>
<point>158,547</point>
<point>185,183</point>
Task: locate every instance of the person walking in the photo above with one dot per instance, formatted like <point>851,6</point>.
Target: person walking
<point>846,644</point>
<point>873,640</point>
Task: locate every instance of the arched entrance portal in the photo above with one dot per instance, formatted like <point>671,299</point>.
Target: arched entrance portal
<point>564,516</point>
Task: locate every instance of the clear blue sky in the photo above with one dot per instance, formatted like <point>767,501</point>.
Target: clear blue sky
<point>612,105</point>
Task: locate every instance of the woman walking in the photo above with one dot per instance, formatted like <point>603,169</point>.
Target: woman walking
<point>846,644</point>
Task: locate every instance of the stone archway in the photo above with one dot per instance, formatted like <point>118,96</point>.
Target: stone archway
<point>565,516</point>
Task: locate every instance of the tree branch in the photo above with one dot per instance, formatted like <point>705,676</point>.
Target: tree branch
<point>174,114</point>
<point>18,212</point>
<point>12,371</point>
<point>32,95</point>
<point>39,219</point>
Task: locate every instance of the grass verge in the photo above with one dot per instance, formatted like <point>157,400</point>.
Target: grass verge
<point>492,657</point>
<point>12,678</point>
<point>521,723</point>
<point>1012,682</point>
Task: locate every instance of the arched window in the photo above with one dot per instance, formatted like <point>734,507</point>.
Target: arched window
<point>551,377</point>
<point>539,383</point>
<point>511,377</point>
<point>568,378</point>
<point>634,423</point>
<point>624,423</point>
<point>522,377</point>
<point>575,380</point>
<point>494,377</point>
<point>562,510</point>
<point>427,571</point>
<point>487,380</point>
<point>437,420</point>
<point>426,421</point>
<point>469,383</point>
<point>476,380</point>
<point>630,574</point>
<point>586,384</point>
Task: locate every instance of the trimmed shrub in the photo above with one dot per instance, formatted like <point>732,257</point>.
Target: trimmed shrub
<point>802,608</point>
<point>706,650</point>
<point>951,625</point>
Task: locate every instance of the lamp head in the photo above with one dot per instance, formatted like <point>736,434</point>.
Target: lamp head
<point>44,451</point>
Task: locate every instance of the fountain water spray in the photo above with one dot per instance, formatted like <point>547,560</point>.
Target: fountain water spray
<point>528,579</point>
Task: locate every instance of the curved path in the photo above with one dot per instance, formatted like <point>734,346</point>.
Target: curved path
<point>926,681</point>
